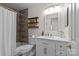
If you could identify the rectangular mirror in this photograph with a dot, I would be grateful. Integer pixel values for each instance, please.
(51, 22)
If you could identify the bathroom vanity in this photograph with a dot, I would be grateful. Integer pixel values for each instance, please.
(51, 46)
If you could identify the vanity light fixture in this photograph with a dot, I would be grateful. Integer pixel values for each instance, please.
(52, 10)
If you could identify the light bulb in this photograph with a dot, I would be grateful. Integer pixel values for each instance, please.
(52, 10)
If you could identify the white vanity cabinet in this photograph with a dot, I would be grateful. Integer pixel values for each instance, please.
(45, 48)
(51, 47)
(61, 50)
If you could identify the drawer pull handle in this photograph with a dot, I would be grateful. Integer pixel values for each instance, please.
(60, 46)
(45, 50)
(45, 43)
(61, 53)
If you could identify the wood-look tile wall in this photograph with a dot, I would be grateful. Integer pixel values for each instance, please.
(22, 26)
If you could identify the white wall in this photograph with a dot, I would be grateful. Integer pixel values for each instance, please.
(76, 24)
(39, 11)
(33, 12)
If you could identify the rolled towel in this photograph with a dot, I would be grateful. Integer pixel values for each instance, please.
(23, 49)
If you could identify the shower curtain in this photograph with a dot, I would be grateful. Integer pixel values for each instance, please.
(7, 32)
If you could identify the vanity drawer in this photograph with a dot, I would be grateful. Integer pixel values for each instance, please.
(61, 53)
(43, 43)
(61, 50)
(46, 42)
(60, 46)
(45, 48)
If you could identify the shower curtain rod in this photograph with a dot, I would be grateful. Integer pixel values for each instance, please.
(7, 8)
(54, 5)
(11, 9)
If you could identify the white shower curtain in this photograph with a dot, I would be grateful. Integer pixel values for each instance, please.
(7, 32)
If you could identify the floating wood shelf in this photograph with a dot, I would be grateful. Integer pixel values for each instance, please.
(33, 27)
(33, 22)
(33, 18)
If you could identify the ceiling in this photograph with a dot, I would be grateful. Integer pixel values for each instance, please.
(20, 6)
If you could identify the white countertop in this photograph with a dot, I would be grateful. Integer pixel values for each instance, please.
(52, 38)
